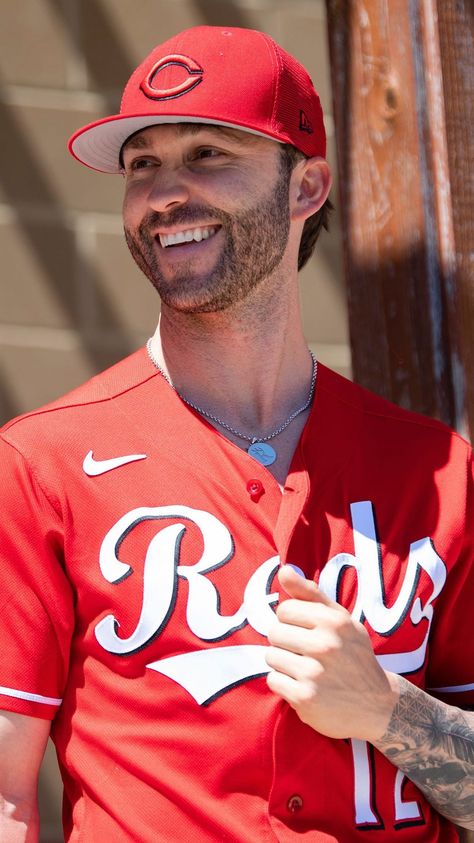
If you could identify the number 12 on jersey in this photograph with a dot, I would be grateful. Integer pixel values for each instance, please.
(366, 813)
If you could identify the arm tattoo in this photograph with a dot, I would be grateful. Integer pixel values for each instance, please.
(433, 743)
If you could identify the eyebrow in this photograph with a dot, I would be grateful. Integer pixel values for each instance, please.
(135, 142)
(138, 141)
(195, 128)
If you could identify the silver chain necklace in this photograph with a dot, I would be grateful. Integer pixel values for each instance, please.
(259, 448)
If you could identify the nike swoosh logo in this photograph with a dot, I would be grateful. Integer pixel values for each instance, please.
(94, 467)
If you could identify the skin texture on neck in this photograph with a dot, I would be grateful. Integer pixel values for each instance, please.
(250, 366)
(255, 397)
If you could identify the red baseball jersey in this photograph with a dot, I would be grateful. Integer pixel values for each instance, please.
(139, 550)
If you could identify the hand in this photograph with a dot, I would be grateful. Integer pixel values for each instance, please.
(324, 666)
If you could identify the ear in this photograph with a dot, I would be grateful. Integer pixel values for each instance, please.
(311, 186)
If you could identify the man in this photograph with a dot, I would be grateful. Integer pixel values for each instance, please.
(146, 517)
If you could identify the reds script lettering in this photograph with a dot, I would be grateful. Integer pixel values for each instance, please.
(370, 603)
(206, 673)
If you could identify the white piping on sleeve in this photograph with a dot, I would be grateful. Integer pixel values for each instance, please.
(24, 695)
(454, 689)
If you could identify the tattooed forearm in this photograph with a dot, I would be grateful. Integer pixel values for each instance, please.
(433, 744)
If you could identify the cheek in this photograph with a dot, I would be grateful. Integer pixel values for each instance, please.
(230, 190)
(133, 206)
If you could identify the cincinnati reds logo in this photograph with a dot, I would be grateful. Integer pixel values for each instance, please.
(192, 68)
(207, 673)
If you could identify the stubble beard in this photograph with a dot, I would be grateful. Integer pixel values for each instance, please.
(255, 242)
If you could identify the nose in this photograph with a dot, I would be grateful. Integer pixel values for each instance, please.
(168, 190)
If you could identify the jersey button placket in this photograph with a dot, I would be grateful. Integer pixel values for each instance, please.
(295, 803)
(255, 489)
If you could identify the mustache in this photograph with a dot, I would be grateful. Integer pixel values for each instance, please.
(183, 216)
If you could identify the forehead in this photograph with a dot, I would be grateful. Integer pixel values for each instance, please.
(144, 137)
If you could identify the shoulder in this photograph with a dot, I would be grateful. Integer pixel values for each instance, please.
(385, 428)
(378, 410)
(88, 404)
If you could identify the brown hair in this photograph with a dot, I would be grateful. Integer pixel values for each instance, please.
(313, 225)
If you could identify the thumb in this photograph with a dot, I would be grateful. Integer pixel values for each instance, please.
(294, 582)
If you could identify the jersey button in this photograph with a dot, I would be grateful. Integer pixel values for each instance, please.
(255, 489)
(295, 803)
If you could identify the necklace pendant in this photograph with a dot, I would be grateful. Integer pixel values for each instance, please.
(262, 452)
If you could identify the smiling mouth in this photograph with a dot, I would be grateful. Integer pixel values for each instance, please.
(189, 235)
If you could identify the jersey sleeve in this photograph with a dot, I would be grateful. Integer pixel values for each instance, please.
(450, 675)
(36, 600)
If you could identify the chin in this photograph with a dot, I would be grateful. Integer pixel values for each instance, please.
(194, 305)
(197, 295)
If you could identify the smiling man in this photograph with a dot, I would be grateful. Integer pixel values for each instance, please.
(227, 168)
(196, 686)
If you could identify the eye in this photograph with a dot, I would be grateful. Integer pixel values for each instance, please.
(141, 163)
(207, 152)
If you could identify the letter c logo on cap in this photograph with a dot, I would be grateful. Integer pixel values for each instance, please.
(192, 67)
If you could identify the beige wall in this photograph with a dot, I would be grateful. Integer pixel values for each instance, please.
(71, 299)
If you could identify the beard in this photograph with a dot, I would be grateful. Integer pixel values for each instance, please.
(255, 241)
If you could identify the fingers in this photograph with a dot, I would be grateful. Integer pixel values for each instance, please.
(308, 606)
(317, 641)
(289, 689)
(322, 663)
(293, 678)
(293, 665)
(300, 588)
(304, 614)
(296, 639)
(308, 624)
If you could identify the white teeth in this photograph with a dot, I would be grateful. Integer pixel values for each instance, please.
(187, 236)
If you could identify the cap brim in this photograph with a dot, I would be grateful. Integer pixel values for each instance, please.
(98, 144)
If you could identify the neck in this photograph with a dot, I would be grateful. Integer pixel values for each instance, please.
(250, 367)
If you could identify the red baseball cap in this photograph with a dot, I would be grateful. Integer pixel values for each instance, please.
(210, 74)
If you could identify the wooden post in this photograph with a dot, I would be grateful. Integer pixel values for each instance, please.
(403, 83)
(455, 30)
